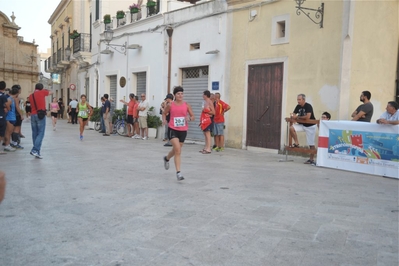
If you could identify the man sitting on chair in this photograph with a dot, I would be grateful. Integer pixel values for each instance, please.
(304, 111)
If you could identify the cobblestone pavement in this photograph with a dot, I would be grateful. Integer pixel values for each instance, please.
(109, 201)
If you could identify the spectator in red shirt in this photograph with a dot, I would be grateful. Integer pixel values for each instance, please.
(38, 102)
(218, 120)
(136, 118)
(130, 111)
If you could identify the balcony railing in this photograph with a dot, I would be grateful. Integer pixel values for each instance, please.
(82, 43)
(47, 64)
(121, 21)
(54, 58)
(60, 55)
(135, 16)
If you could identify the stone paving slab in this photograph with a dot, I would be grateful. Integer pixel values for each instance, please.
(109, 201)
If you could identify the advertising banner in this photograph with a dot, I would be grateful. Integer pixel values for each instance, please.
(56, 78)
(360, 147)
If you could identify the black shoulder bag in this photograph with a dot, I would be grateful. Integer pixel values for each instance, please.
(40, 113)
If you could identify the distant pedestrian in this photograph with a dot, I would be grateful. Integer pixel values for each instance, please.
(37, 98)
(11, 119)
(208, 110)
(54, 108)
(17, 133)
(27, 108)
(73, 105)
(179, 112)
(143, 108)
(304, 111)
(61, 109)
(69, 111)
(84, 111)
(102, 130)
(3, 111)
(130, 109)
(168, 101)
(136, 118)
(106, 109)
(218, 122)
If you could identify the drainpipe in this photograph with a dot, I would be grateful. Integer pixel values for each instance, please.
(170, 33)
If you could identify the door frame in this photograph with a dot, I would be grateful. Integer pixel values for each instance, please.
(283, 125)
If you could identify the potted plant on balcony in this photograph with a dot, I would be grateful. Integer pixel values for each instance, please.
(151, 7)
(135, 8)
(151, 3)
(107, 19)
(74, 34)
(120, 14)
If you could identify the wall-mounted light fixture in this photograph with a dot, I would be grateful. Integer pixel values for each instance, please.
(108, 35)
(68, 52)
(106, 51)
(134, 46)
(216, 51)
(318, 15)
(252, 15)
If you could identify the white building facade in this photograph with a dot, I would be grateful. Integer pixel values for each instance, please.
(153, 53)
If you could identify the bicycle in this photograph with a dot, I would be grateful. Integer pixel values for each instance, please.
(119, 126)
(97, 126)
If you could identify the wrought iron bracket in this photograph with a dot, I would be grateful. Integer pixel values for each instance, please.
(121, 50)
(318, 15)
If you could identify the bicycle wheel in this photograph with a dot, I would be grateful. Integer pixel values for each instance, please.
(121, 128)
(97, 126)
(115, 127)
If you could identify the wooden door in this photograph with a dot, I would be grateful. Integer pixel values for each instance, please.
(265, 90)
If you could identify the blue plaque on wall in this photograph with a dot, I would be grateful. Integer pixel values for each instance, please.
(215, 85)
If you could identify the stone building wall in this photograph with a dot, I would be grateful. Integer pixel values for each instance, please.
(18, 59)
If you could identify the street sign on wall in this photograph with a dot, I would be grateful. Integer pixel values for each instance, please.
(215, 85)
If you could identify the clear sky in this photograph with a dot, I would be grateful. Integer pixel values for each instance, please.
(31, 17)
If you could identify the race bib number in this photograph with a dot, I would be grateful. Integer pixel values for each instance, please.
(179, 121)
(82, 113)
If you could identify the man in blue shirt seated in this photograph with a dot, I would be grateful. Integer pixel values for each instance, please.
(391, 116)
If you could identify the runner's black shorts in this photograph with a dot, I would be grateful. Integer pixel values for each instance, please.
(3, 125)
(18, 122)
(181, 135)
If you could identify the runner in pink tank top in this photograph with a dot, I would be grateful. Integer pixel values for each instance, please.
(178, 116)
(179, 111)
